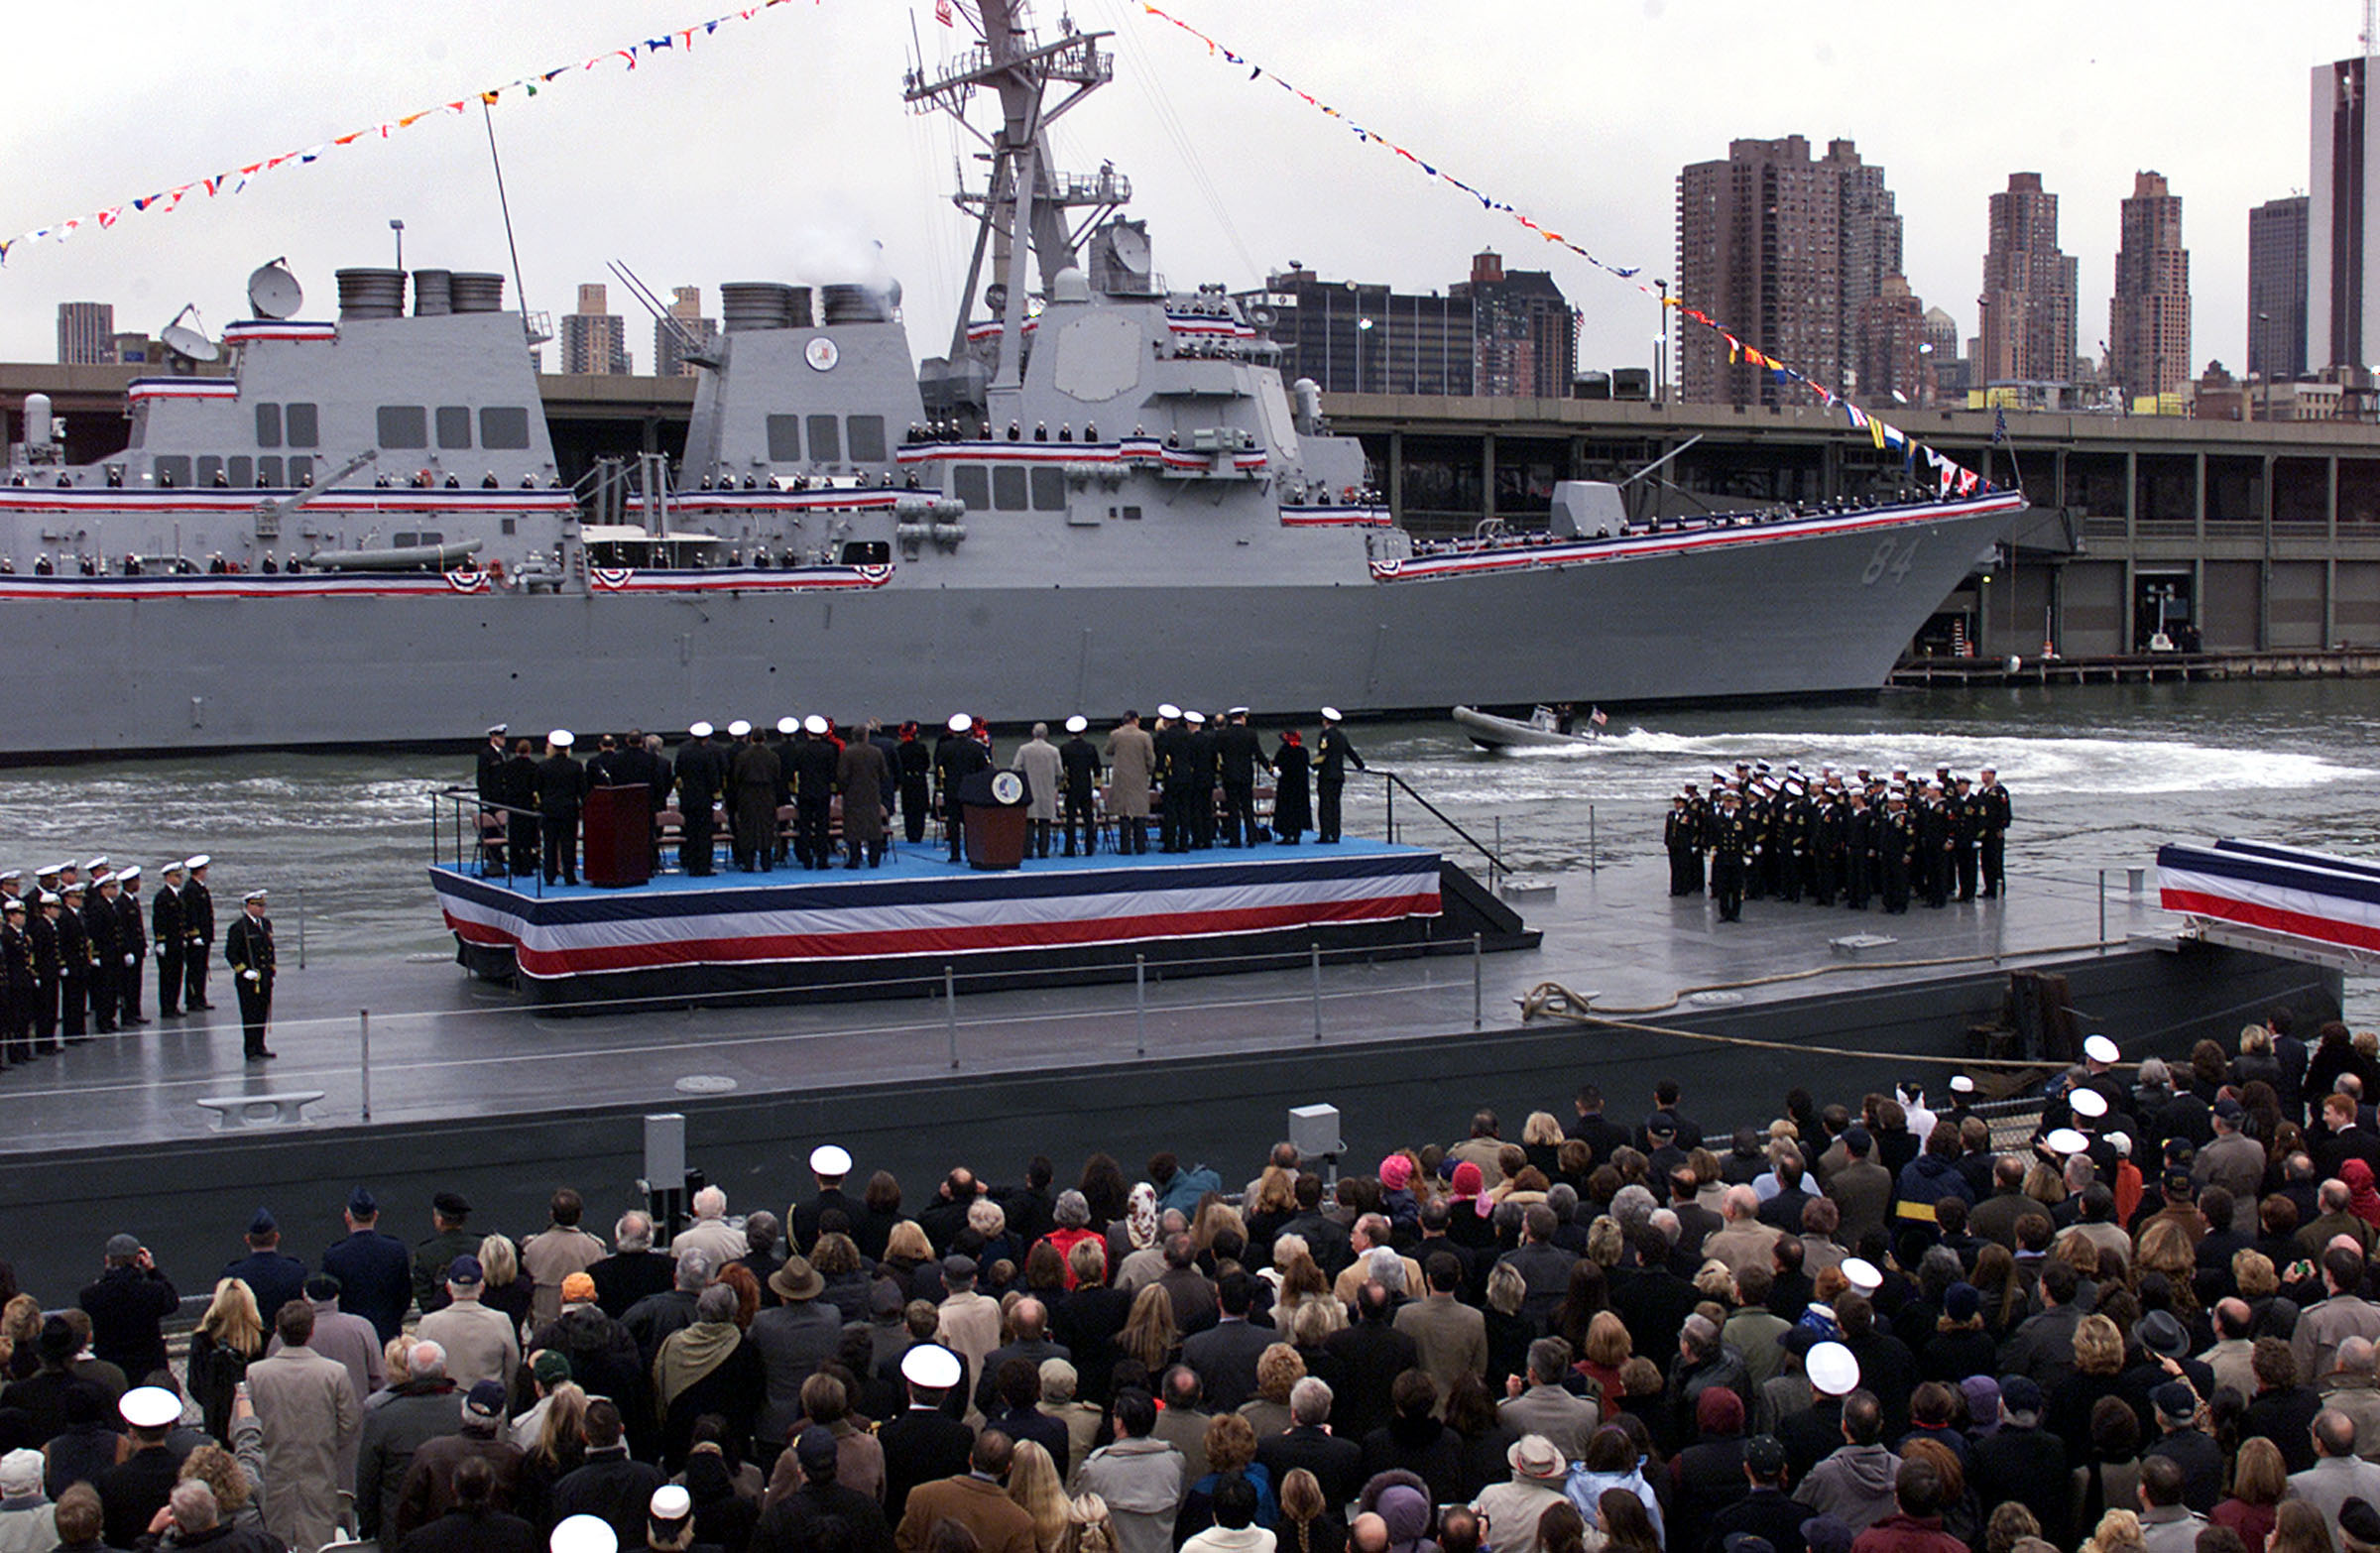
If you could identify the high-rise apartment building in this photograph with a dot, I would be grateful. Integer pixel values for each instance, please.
(2148, 319)
(1524, 336)
(1892, 331)
(1786, 249)
(87, 332)
(2029, 286)
(669, 344)
(594, 341)
(2342, 323)
(2276, 289)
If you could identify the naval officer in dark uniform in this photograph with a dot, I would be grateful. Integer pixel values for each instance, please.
(1681, 833)
(913, 770)
(561, 788)
(699, 774)
(490, 779)
(43, 932)
(132, 946)
(20, 983)
(104, 926)
(1077, 785)
(197, 933)
(956, 758)
(1730, 848)
(74, 966)
(165, 930)
(248, 951)
(1238, 751)
(1333, 754)
(1992, 814)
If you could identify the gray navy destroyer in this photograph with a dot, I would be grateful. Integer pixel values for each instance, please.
(1103, 493)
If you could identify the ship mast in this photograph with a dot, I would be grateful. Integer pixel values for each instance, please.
(1024, 204)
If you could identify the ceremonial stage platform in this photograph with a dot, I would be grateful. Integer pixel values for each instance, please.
(920, 923)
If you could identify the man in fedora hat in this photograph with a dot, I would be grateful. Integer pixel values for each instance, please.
(1512, 1509)
(794, 1338)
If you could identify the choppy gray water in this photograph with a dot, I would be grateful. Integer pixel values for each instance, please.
(2099, 775)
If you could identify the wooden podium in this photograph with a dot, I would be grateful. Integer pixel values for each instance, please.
(617, 823)
(997, 805)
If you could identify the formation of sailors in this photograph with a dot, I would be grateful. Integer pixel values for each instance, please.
(1845, 836)
(866, 775)
(72, 948)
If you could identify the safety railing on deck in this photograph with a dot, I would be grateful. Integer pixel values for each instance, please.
(474, 845)
(1391, 784)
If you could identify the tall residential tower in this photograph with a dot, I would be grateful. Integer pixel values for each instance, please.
(2028, 286)
(2148, 319)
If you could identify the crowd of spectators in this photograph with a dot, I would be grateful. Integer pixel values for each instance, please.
(2149, 1327)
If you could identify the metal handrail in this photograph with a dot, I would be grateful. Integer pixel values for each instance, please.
(466, 802)
(1393, 781)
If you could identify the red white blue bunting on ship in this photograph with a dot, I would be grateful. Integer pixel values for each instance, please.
(564, 935)
(2316, 895)
(737, 579)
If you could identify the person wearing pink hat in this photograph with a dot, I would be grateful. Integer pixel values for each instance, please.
(1397, 1200)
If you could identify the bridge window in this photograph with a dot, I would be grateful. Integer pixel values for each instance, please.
(971, 484)
(826, 440)
(173, 470)
(209, 466)
(268, 425)
(503, 427)
(865, 435)
(1008, 488)
(784, 439)
(302, 469)
(454, 426)
(866, 552)
(1049, 489)
(403, 426)
(268, 472)
(243, 471)
(302, 423)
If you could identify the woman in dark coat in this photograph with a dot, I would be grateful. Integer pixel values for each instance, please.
(707, 1368)
(1292, 807)
(864, 778)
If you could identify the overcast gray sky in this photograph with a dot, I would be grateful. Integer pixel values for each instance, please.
(779, 147)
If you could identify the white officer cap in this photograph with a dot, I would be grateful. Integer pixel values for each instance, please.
(1168, 711)
(2099, 1048)
(830, 1159)
(150, 1407)
(700, 731)
(200, 860)
(48, 899)
(1833, 1368)
(1077, 723)
(739, 729)
(1195, 719)
(561, 738)
(94, 865)
(959, 722)
(1330, 714)
(1960, 1084)
(1237, 711)
(584, 1534)
(130, 873)
(2065, 1140)
(12, 873)
(813, 724)
(786, 725)
(1861, 1274)
(253, 895)
(76, 889)
(497, 728)
(671, 1502)
(932, 1365)
(2088, 1104)
(173, 867)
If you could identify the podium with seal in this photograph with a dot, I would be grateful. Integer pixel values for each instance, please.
(994, 806)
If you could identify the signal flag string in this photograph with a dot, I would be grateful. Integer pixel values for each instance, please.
(1951, 477)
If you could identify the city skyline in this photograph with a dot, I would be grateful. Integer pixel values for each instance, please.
(1594, 153)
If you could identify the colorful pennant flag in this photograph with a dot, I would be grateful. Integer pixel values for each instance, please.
(681, 39)
(1880, 434)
